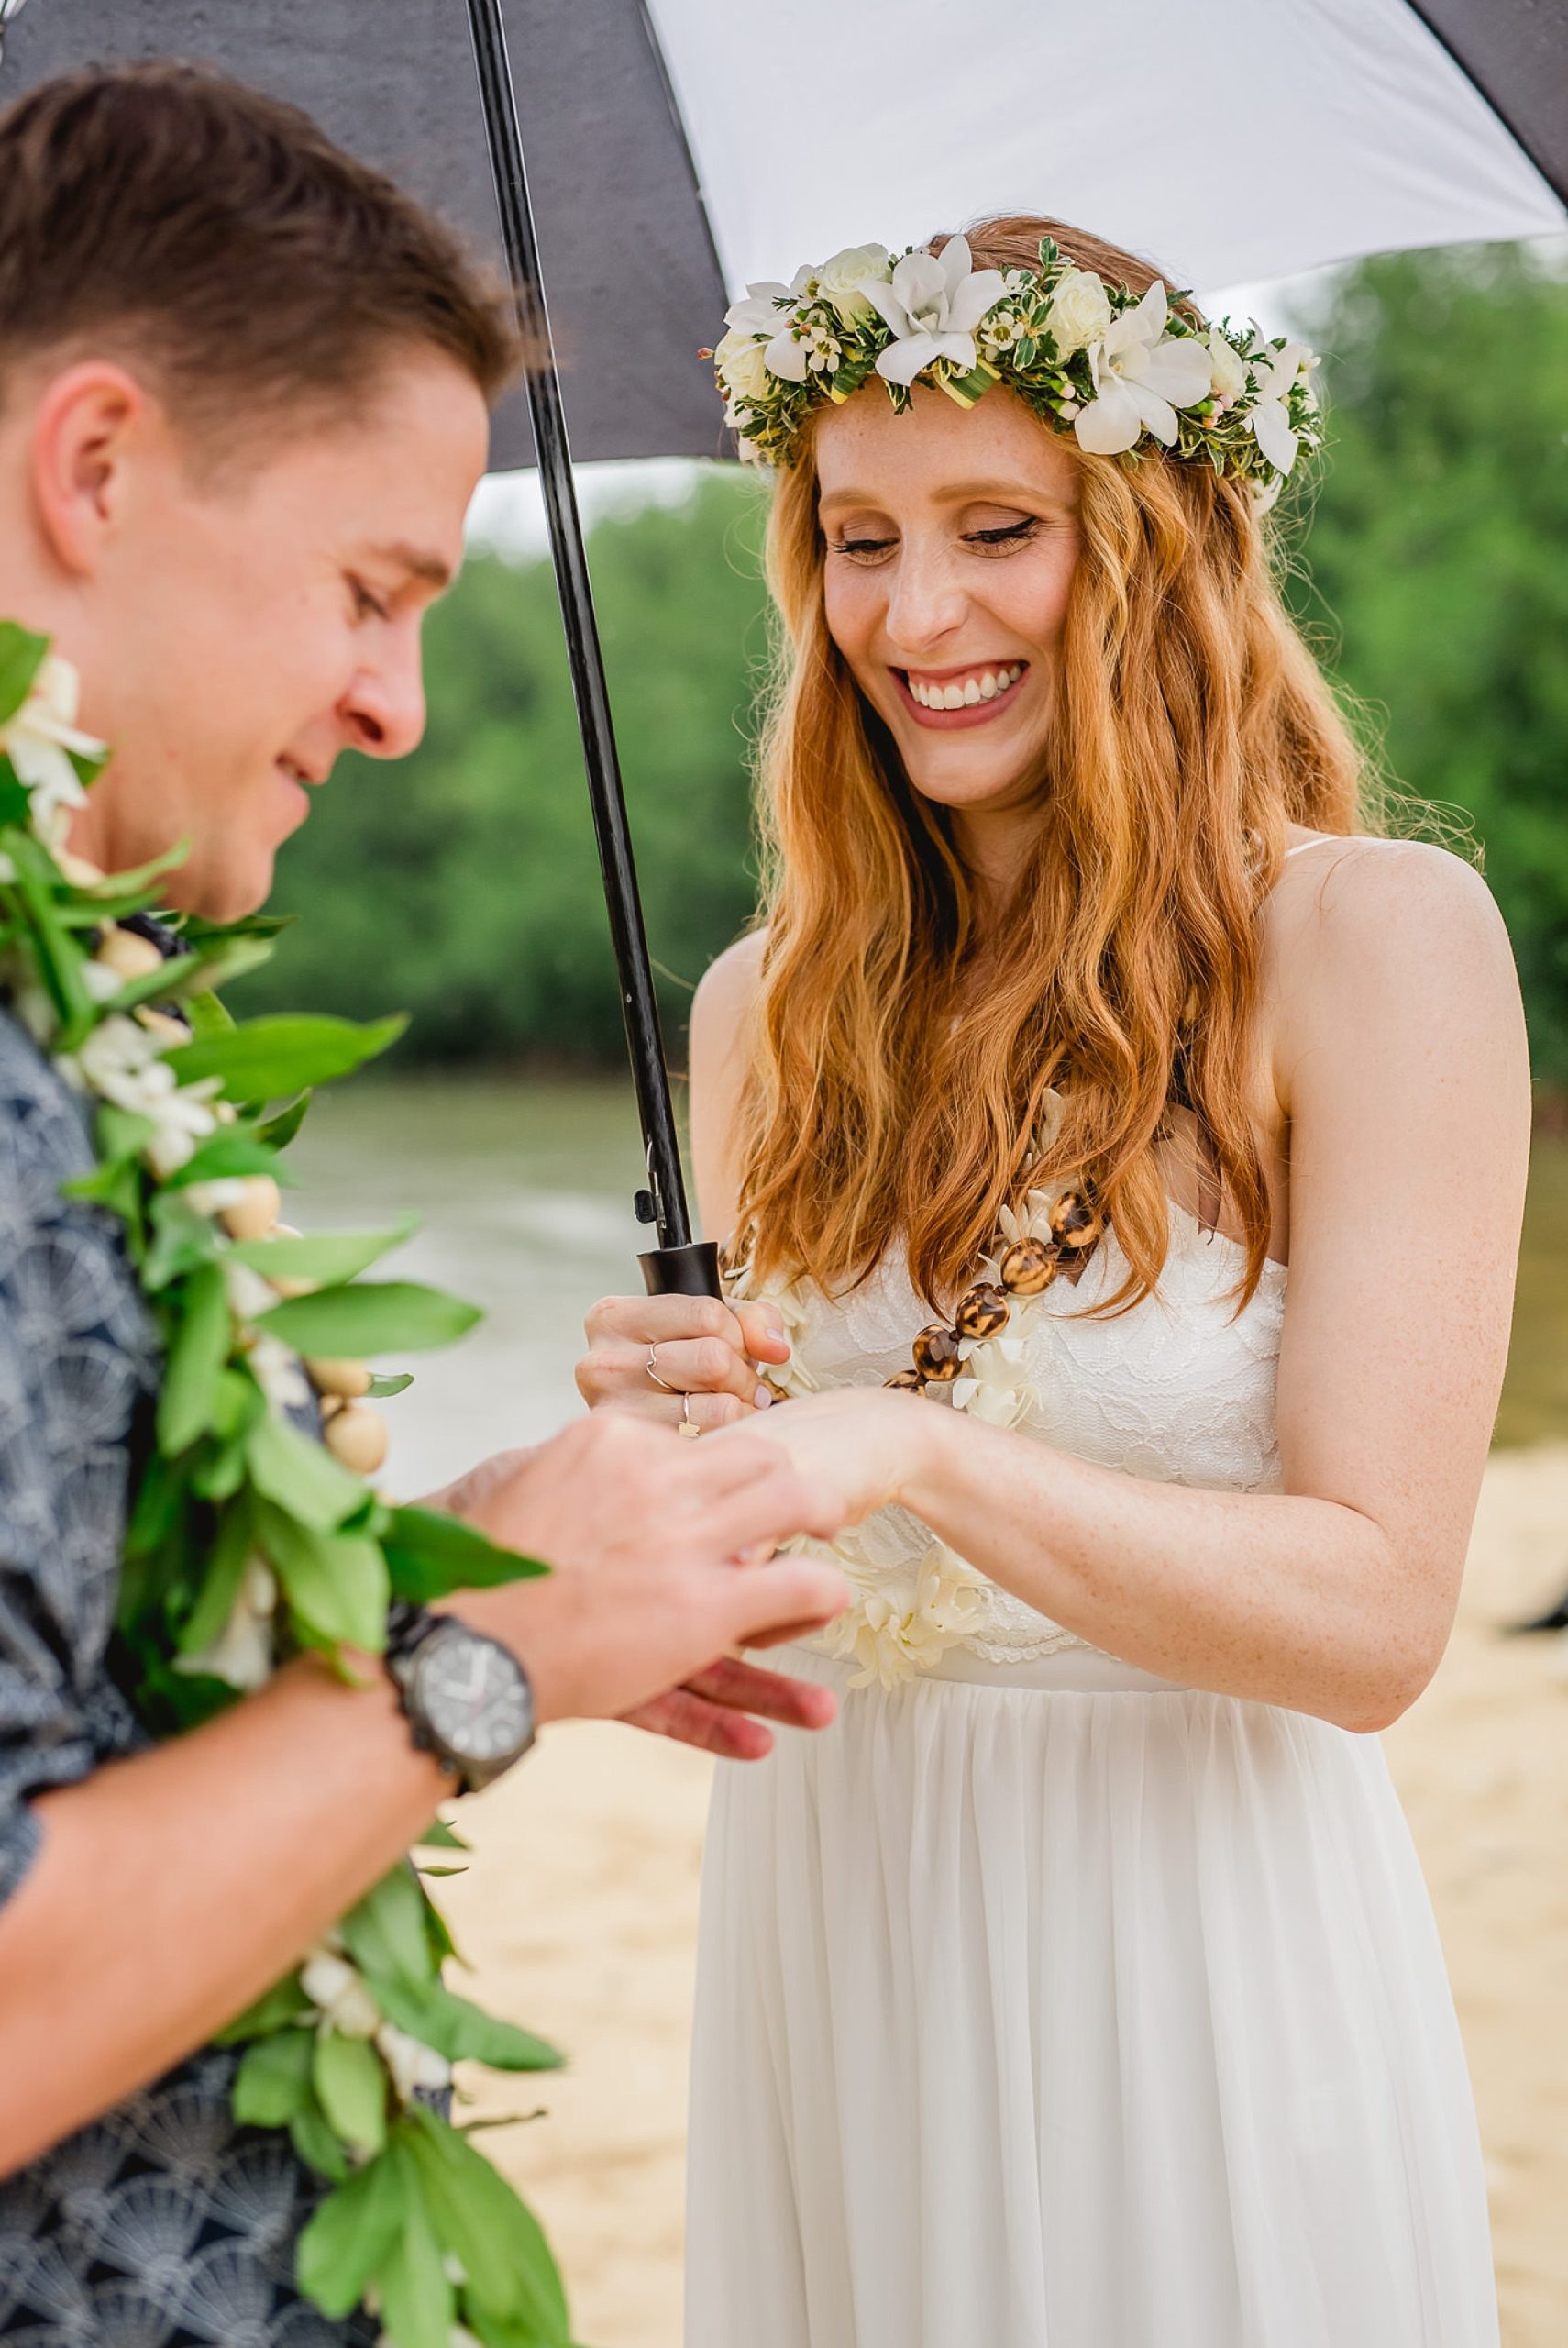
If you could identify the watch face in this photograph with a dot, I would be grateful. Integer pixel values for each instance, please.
(473, 1696)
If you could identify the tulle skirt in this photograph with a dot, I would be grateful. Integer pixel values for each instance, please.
(1052, 2006)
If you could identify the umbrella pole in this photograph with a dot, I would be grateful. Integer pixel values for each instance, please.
(677, 1265)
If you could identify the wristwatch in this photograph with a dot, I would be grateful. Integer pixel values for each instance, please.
(466, 1698)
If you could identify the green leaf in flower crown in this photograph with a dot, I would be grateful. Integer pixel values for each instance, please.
(273, 2082)
(418, 2305)
(14, 800)
(21, 657)
(385, 1933)
(283, 2003)
(261, 1059)
(335, 1582)
(329, 1257)
(300, 1475)
(351, 2087)
(430, 1553)
(382, 1389)
(494, 2236)
(350, 2236)
(202, 1339)
(372, 1317)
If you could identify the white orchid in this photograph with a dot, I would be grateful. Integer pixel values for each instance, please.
(933, 305)
(243, 1652)
(39, 739)
(277, 1370)
(1141, 380)
(1269, 418)
(992, 1385)
(902, 1624)
(762, 313)
(1227, 368)
(122, 1063)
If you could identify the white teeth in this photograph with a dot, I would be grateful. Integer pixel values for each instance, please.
(973, 690)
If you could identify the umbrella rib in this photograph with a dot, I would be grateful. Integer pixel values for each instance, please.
(1554, 173)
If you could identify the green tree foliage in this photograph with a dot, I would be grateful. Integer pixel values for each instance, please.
(1435, 561)
(463, 885)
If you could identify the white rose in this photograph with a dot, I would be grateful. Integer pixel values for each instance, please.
(839, 281)
(741, 366)
(1079, 312)
(1226, 370)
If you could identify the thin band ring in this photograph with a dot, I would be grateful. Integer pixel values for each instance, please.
(688, 1423)
(651, 1365)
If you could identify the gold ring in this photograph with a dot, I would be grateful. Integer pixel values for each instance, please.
(652, 1368)
(688, 1423)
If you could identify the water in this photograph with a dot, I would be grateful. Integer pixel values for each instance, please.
(524, 1190)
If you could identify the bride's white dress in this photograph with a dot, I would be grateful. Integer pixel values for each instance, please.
(1044, 2004)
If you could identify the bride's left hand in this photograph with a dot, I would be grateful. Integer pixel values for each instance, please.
(861, 1440)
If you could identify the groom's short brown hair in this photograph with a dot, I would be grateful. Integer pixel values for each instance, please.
(183, 222)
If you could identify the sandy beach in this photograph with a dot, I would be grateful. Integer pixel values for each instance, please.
(579, 1915)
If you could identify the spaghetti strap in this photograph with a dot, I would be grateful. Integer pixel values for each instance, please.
(1322, 839)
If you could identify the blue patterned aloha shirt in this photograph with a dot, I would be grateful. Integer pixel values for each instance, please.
(162, 2224)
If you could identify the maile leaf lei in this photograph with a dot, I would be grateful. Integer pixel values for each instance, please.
(248, 1539)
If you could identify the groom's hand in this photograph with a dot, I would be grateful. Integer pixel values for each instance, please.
(647, 1597)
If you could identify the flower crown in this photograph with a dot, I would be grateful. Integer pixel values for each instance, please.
(1083, 354)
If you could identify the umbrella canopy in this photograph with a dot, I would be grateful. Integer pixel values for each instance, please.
(678, 149)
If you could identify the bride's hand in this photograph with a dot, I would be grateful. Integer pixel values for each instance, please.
(862, 1441)
(699, 1346)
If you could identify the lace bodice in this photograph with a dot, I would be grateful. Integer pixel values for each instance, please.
(1180, 1390)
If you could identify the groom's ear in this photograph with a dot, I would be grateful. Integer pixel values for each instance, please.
(92, 432)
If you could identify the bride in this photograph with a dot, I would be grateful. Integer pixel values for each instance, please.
(1124, 1149)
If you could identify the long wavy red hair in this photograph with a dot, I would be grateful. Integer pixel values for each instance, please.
(1192, 727)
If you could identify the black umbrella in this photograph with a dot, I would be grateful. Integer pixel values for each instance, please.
(680, 147)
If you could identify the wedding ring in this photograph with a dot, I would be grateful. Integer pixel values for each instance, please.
(688, 1423)
(652, 1366)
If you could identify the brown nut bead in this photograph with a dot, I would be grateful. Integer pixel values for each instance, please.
(350, 1378)
(1028, 1267)
(982, 1310)
(904, 1381)
(160, 1024)
(358, 1438)
(936, 1354)
(252, 1217)
(127, 954)
(1074, 1223)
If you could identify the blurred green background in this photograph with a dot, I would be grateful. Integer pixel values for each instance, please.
(1431, 569)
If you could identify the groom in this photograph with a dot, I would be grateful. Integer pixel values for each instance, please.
(243, 388)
